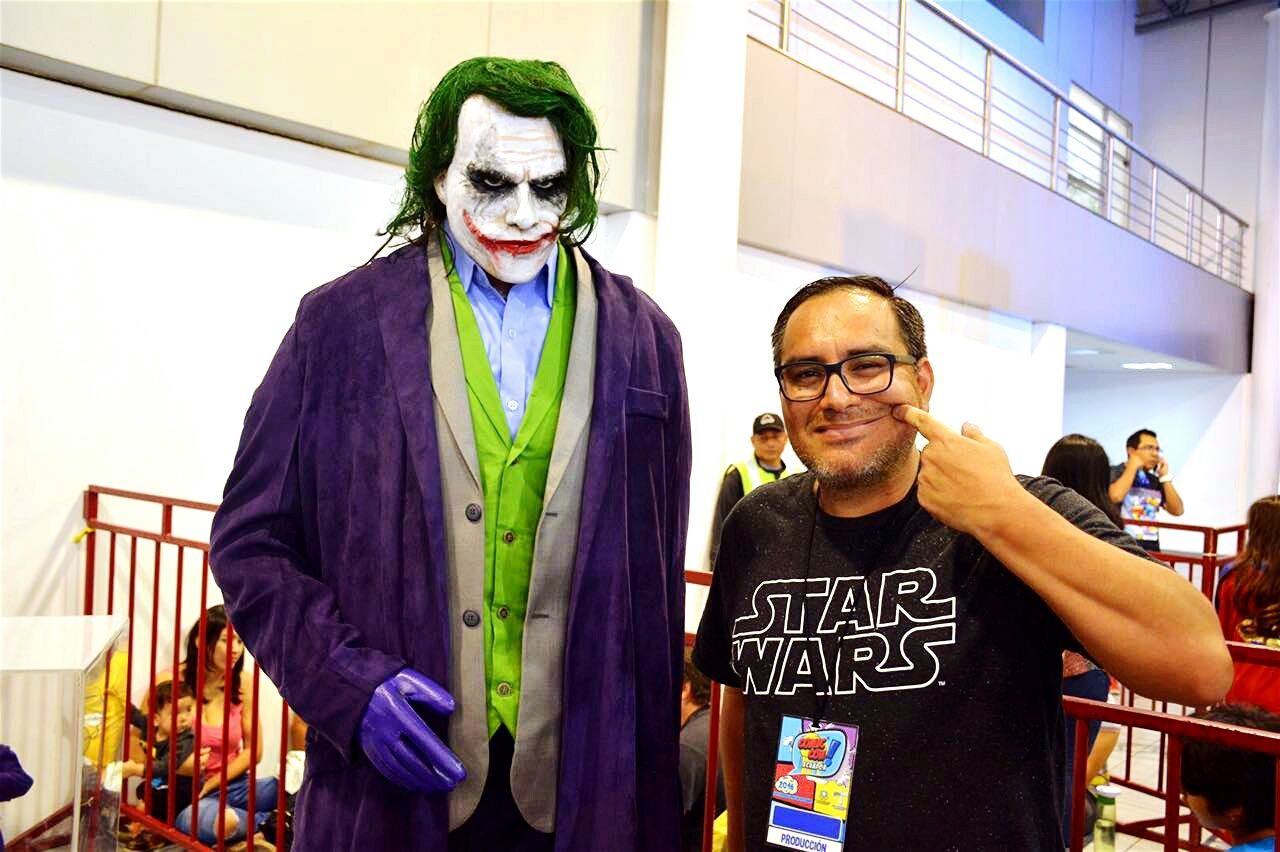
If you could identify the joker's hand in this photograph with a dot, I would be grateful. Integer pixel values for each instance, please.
(965, 479)
(402, 747)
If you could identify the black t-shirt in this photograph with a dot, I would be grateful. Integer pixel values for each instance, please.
(948, 663)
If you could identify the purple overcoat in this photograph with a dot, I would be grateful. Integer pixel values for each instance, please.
(329, 549)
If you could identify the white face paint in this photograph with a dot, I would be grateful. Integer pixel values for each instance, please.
(504, 191)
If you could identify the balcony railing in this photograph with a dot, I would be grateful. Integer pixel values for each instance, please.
(915, 57)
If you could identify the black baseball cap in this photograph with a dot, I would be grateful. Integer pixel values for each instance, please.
(767, 422)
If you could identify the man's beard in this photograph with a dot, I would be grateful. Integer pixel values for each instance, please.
(882, 464)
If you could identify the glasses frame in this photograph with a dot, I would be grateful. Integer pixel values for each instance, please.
(837, 369)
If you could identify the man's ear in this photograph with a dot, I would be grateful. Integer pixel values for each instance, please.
(924, 381)
(686, 691)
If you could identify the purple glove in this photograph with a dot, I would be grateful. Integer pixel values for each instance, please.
(400, 744)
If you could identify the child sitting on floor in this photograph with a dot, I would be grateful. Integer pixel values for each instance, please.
(1230, 789)
(157, 755)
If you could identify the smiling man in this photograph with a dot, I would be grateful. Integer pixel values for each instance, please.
(454, 532)
(911, 607)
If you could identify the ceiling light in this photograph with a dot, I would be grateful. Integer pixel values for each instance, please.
(1085, 352)
(1147, 365)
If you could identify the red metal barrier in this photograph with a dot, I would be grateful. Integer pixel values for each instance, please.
(141, 594)
(703, 578)
(1209, 562)
(1176, 729)
(1132, 718)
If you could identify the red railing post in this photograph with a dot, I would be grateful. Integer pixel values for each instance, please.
(111, 575)
(284, 754)
(253, 762)
(128, 678)
(175, 691)
(202, 656)
(1081, 758)
(151, 681)
(91, 552)
(713, 765)
(227, 666)
(1172, 799)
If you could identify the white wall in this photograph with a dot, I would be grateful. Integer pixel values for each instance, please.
(1202, 421)
(1088, 42)
(1202, 85)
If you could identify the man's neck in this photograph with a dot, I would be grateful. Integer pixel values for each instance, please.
(769, 464)
(865, 500)
(1260, 834)
(687, 709)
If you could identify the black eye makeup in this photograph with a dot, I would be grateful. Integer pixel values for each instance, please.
(549, 187)
(488, 181)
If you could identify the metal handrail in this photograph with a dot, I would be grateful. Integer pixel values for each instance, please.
(1115, 189)
(1058, 93)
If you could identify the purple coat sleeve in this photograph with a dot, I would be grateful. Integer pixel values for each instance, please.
(287, 615)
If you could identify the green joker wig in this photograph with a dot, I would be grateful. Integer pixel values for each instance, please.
(524, 87)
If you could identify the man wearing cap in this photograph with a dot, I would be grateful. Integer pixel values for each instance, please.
(768, 439)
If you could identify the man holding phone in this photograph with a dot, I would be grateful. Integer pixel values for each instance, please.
(1143, 486)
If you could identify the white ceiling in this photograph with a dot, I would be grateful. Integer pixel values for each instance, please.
(1111, 355)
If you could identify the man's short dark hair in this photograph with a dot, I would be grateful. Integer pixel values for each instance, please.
(1228, 778)
(699, 684)
(1135, 439)
(910, 323)
(164, 694)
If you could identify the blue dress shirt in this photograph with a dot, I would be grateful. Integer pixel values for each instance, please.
(513, 329)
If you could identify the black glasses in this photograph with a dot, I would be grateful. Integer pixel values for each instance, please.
(863, 374)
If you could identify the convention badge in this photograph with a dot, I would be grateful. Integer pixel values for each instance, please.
(809, 807)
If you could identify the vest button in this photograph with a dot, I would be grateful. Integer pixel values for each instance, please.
(503, 611)
(474, 512)
(508, 536)
(471, 618)
(504, 689)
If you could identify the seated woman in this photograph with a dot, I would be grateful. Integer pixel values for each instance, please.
(1249, 604)
(215, 704)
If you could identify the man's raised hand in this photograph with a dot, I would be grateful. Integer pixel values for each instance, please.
(965, 480)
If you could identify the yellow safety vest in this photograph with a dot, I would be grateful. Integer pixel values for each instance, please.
(753, 475)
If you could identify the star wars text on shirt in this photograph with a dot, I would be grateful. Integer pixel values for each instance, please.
(879, 633)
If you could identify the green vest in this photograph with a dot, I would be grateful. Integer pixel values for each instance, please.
(753, 475)
(513, 476)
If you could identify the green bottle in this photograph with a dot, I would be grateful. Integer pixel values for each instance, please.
(1104, 827)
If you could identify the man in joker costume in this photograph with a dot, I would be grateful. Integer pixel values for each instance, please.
(454, 533)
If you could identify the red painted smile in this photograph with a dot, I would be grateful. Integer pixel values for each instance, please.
(514, 247)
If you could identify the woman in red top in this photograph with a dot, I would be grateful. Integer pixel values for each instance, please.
(1249, 604)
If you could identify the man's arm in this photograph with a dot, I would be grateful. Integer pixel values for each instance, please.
(1121, 486)
(1141, 622)
(732, 733)
(287, 616)
(1172, 499)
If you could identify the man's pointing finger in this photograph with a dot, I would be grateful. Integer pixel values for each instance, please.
(928, 425)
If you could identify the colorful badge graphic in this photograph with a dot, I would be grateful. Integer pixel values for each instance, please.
(811, 784)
